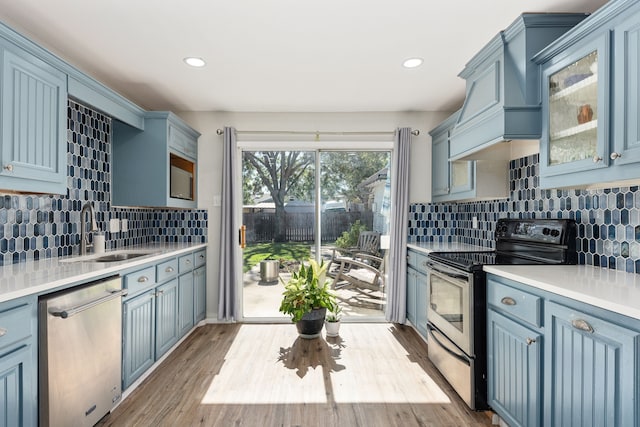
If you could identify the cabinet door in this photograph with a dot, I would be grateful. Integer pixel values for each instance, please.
(575, 111)
(514, 371)
(186, 303)
(626, 141)
(421, 303)
(440, 165)
(590, 370)
(461, 179)
(200, 294)
(33, 122)
(18, 398)
(166, 316)
(138, 352)
(412, 277)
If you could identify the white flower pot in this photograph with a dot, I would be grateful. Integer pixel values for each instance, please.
(333, 328)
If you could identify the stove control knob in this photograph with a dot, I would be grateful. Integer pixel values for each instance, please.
(546, 231)
(555, 233)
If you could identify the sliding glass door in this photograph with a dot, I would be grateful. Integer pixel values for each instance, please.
(298, 205)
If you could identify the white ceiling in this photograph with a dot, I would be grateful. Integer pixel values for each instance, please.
(275, 55)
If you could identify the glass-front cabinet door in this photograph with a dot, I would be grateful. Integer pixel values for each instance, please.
(575, 123)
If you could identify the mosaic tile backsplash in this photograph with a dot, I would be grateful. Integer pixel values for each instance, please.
(43, 226)
(608, 219)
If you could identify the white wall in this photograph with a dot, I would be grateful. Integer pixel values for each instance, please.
(210, 157)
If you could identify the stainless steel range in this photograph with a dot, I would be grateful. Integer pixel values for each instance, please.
(457, 306)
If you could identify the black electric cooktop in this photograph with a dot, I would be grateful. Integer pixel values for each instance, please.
(521, 241)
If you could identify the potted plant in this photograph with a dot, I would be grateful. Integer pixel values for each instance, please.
(332, 321)
(306, 298)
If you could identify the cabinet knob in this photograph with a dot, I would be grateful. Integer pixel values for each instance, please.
(615, 155)
(169, 270)
(188, 261)
(508, 301)
(201, 256)
(582, 325)
(530, 341)
(143, 279)
(9, 167)
(3, 332)
(158, 293)
(597, 159)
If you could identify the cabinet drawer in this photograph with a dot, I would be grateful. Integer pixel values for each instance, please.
(200, 258)
(15, 323)
(417, 260)
(517, 303)
(186, 263)
(167, 270)
(140, 279)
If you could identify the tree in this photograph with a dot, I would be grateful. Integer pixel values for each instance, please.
(343, 172)
(278, 172)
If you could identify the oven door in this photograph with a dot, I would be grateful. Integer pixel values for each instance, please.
(449, 308)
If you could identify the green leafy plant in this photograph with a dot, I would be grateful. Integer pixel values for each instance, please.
(350, 238)
(334, 315)
(307, 289)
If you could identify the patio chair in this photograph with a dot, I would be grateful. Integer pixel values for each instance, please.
(362, 271)
(368, 244)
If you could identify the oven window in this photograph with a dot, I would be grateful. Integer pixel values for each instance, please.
(446, 299)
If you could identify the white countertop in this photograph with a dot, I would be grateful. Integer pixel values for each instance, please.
(37, 277)
(612, 290)
(427, 247)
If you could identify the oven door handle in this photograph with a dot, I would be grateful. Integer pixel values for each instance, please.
(461, 357)
(462, 279)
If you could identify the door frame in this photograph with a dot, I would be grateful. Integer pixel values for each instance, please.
(317, 147)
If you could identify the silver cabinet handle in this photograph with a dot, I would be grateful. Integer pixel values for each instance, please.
(582, 325)
(615, 155)
(597, 159)
(201, 256)
(9, 167)
(508, 301)
(143, 279)
(169, 270)
(3, 332)
(530, 341)
(188, 261)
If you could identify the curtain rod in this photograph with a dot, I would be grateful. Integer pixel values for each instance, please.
(415, 132)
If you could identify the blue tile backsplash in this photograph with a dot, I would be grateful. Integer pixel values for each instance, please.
(608, 219)
(43, 226)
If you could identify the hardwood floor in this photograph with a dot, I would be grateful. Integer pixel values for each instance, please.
(264, 375)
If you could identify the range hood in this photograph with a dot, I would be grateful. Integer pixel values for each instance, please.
(503, 96)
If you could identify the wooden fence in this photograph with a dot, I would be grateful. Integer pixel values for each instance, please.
(301, 226)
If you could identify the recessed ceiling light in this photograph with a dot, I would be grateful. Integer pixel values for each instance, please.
(195, 61)
(412, 62)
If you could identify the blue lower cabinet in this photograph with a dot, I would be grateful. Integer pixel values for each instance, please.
(138, 350)
(185, 296)
(19, 363)
(591, 369)
(166, 316)
(514, 370)
(412, 277)
(199, 294)
(421, 303)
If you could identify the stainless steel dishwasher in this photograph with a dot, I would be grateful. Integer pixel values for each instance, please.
(80, 353)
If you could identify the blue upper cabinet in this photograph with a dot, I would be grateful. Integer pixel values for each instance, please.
(33, 123)
(503, 85)
(590, 100)
(462, 179)
(144, 163)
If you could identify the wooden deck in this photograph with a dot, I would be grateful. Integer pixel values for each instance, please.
(264, 375)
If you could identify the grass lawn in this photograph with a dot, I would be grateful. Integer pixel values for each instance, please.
(257, 252)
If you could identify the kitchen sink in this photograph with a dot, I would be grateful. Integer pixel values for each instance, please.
(119, 257)
(108, 257)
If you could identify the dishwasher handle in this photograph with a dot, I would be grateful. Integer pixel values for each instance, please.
(80, 308)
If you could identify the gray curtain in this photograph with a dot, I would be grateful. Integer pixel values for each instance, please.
(228, 230)
(397, 289)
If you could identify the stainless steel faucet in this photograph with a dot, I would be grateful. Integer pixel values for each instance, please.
(84, 237)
